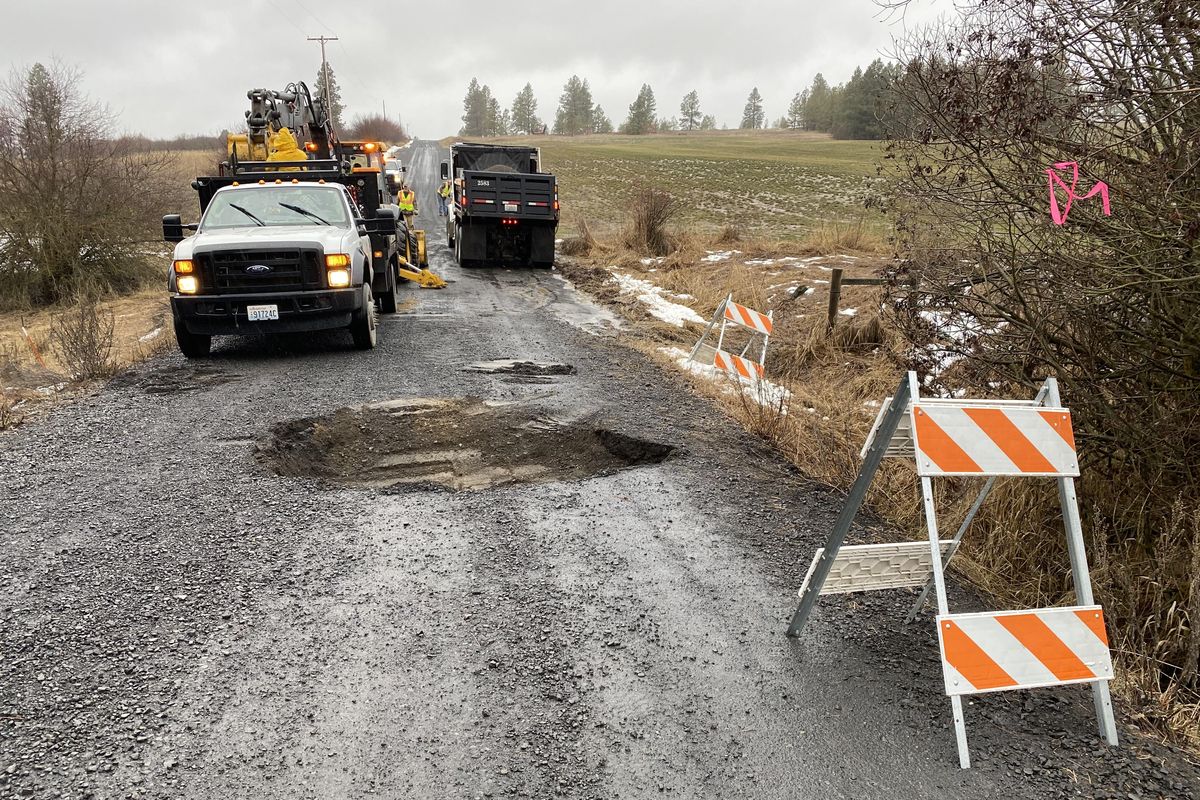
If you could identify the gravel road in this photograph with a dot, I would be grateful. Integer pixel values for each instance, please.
(178, 621)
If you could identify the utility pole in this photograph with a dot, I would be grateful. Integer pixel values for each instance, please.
(325, 72)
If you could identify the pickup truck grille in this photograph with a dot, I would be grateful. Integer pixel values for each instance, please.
(242, 271)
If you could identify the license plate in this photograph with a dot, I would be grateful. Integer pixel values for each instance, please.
(510, 207)
(262, 313)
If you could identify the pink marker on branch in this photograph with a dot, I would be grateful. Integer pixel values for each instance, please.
(1060, 217)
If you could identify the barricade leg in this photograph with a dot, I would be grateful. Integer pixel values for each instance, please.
(939, 583)
(1083, 594)
(858, 492)
(987, 488)
(1082, 578)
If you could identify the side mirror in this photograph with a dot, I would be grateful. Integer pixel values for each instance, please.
(362, 229)
(445, 170)
(172, 228)
(387, 212)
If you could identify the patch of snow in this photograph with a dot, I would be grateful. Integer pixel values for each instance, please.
(848, 312)
(763, 392)
(818, 280)
(656, 302)
(154, 334)
(720, 255)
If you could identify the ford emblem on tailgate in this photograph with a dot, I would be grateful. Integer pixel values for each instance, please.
(258, 269)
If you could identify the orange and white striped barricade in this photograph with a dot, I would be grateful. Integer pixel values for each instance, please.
(742, 364)
(990, 651)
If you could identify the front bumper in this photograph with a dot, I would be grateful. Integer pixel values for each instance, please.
(225, 314)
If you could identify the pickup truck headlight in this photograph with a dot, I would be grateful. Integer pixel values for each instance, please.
(338, 278)
(334, 260)
(184, 266)
(187, 284)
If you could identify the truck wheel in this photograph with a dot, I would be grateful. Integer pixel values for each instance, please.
(449, 234)
(387, 300)
(362, 324)
(192, 345)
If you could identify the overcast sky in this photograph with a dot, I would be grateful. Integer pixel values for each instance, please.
(168, 68)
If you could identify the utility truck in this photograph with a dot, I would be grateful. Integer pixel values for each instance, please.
(505, 209)
(299, 245)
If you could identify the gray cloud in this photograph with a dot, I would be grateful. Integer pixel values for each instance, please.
(167, 68)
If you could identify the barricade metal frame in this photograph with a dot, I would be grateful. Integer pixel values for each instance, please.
(894, 435)
(709, 355)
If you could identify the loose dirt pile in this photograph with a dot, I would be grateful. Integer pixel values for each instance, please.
(462, 444)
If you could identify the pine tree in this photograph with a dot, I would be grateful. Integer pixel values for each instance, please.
(753, 117)
(689, 111)
(818, 110)
(600, 121)
(795, 115)
(336, 109)
(476, 110)
(641, 113)
(494, 124)
(575, 108)
(523, 118)
(666, 125)
(708, 123)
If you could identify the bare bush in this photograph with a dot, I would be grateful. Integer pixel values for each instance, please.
(1106, 303)
(583, 243)
(82, 338)
(376, 128)
(76, 203)
(652, 210)
(729, 234)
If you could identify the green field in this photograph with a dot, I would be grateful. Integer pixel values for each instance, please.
(773, 184)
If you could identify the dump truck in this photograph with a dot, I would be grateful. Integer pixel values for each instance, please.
(505, 209)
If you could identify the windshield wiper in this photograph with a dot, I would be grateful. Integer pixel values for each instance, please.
(305, 212)
(257, 221)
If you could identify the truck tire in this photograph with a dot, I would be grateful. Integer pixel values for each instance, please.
(450, 233)
(362, 324)
(387, 299)
(192, 345)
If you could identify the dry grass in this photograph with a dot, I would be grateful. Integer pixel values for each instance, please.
(32, 375)
(1016, 551)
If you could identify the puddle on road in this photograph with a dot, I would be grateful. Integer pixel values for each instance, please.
(460, 444)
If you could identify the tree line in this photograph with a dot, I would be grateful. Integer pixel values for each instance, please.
(847, 111)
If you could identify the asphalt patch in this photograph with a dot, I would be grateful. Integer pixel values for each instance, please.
(176, 380)
(461, 444)
(518, 367)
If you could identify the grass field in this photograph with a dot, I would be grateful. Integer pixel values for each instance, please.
(771, 184)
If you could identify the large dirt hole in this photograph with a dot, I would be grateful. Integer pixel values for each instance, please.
(458, 444)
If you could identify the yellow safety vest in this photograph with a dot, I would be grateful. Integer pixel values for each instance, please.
(445, 190)
(408, 200)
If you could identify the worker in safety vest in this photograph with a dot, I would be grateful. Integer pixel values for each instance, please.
(285, 148)
(407, 200)
(444, 199)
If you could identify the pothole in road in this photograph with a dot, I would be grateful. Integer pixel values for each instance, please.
(464, 444)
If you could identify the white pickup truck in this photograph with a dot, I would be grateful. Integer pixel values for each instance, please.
(273, 257)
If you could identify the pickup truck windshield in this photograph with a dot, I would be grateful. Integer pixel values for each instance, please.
(276, 205)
